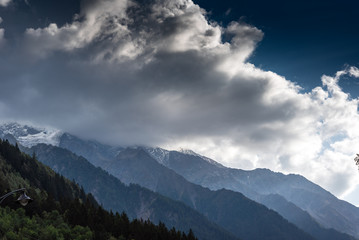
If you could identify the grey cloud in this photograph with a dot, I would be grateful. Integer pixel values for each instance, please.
(158, 72)
(118, 29)
(170, 87)
(2, 35)
(4, 3)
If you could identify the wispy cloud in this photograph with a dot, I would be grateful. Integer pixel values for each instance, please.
(2, 35)
(4, 3)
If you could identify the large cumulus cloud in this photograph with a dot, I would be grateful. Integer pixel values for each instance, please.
(161, 73)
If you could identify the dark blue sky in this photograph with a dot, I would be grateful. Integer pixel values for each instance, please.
(303, 39)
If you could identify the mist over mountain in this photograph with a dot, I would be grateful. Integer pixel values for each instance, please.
(169, 73)
(60, 208)
(324, 207)
(134, 200)
(172, 173)
(29, 136)
(238, 119)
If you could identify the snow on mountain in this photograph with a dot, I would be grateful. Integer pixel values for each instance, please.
(162, 155)
(50, 137)
(30, 136)
(190, 152)
(159, 154)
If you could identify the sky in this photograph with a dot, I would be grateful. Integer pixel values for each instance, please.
(251, 85)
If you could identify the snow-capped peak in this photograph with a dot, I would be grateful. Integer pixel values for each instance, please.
(159, 154)
(29, 136)
(190, 152)
(162, 155)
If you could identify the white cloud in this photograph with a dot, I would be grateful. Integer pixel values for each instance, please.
(318, 141)
(102, 23)
(2, 35)
(160, 73)
(4, 3)
(118, 30)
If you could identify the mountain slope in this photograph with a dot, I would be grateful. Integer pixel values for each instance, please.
(229, 209)
(198, 169)
(289, 190)
(61, 209)
(301, 218)
(29, 136)
(325, 208)
(136, 201)
(98, 154)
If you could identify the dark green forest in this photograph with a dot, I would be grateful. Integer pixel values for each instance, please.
(60, 208)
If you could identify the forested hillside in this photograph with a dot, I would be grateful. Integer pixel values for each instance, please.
(136, 201)
(61, 209)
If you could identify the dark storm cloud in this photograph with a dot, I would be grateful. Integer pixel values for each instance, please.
(159, 73)
(152, 71)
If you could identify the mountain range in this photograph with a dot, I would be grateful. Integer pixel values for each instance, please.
(60, 208)
(136, 201)
(321, 205)
(235, 201)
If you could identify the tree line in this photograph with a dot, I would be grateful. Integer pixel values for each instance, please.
(61, 209)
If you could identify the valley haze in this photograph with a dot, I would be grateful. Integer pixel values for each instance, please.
(175, 74)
